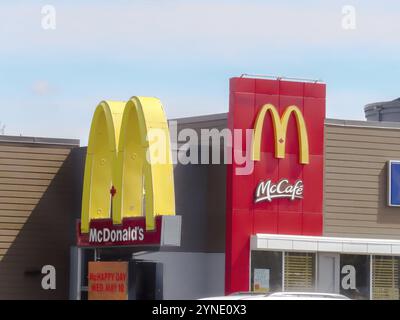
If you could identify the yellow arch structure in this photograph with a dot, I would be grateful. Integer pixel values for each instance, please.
(119, 155)
(280, 129)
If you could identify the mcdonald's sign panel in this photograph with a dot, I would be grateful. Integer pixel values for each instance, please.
(283, 191)
(128, 195)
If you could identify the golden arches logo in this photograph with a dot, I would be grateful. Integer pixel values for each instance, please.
(118, 160)
(280, 129)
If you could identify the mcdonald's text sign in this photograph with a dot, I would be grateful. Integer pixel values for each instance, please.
(283, 194)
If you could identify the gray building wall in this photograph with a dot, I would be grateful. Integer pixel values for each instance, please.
(190, 275)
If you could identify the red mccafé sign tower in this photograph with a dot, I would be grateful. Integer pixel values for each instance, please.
(283, 193)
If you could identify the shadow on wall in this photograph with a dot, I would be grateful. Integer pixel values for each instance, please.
(47, 234)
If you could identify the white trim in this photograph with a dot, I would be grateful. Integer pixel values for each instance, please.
(389, 183)
(324, 244)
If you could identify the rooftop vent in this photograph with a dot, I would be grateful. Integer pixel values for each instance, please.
(383, 111)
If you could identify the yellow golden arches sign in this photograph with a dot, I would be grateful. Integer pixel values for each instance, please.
(118, 159)
(280, 129)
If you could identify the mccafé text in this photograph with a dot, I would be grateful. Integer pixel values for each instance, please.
(267, 190)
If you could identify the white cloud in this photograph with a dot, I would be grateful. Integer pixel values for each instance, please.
(41, 87)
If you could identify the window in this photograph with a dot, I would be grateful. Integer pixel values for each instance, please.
(299, 271)
(385, 278)
(266, 271)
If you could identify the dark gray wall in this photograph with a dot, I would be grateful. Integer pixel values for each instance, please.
(200, 200)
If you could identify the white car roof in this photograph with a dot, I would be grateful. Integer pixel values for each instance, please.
(280, 296)
(302, 296)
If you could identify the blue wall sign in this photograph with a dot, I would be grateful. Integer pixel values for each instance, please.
(394, 183)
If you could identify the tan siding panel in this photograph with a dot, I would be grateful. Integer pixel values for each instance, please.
(36, 206)
(23, 207)
(352, 234)
(353, 171)
(384, 232)
(348, 196)
(361, 145)
(346, 150)
(6, 232)
(343, 209)
(376, 158)
(330, 181)
(353, 203)
(7, 238)
(350, 190)
(353, 164)
(30, 163)
(35, 150)
(19, 200)
(336, 216)
(354, 177)
(363, 138)
(22, 188)
(23, 195)
(7, 167)
(359, 223)
(33, 156)
(11, 226)
(362, 131)
(20, 194)
(25, 181)
(13, 219)
(355, 182)
(17, 214)
(26, 175)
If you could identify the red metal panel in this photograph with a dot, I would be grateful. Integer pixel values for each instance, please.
(243, 115)
(315, 90)
(270, 87)
(291, 88)
(290, 169)
(242, 85)
(242, 191)
(312, 223)
(284, 216)
(238, 253)
(314, 116)
(313, 185)
(290, 222)
(265, 221)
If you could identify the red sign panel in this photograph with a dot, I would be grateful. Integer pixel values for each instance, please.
(131, 232)
(283, 193)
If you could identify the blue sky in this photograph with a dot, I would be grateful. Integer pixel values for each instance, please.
(184, 52)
